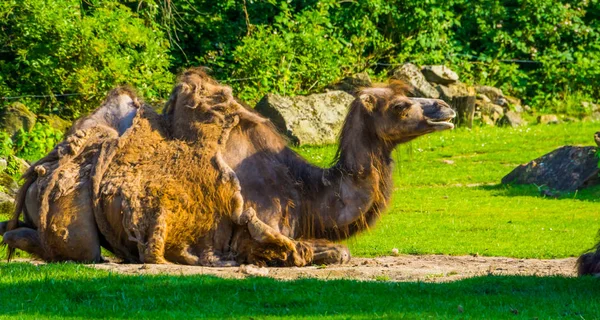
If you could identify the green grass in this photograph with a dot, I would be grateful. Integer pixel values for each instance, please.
(73, 291)
(462, 208)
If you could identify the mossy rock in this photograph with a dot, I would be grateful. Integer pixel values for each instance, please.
(7, 205)
(7, 184)
(15, 117)
(56, 122)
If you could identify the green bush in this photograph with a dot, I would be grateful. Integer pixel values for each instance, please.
(36, 143)
(294, 55)
(87, 48)
(546, 52)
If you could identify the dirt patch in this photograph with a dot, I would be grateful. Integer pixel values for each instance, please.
(429, 268)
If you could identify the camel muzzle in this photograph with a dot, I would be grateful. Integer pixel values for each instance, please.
(437, 113)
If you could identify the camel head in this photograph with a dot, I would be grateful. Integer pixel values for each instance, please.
(392, 117)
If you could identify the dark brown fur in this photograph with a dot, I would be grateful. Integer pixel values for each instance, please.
(589, 263)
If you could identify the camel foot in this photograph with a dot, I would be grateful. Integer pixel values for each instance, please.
(329, 253)
(25, 239)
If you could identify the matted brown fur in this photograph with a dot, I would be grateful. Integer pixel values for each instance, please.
(70, 161)
(170, 180)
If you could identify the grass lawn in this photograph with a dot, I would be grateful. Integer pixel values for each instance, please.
(462, 208)
(74, 291)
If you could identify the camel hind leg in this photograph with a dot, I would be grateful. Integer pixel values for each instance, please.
(25, 239)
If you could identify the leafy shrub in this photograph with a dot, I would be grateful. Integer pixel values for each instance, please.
(7, 152)
(37, 143)
(86, 48)
(544, 51)
(296, 54)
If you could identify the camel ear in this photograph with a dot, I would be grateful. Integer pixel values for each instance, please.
(368, 101)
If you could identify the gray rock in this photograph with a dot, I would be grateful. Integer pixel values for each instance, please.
(513, 100)
(413, 76)
(3, 164)
(589, 106)
(595, 117)
(313, 119)
(548, 119)
(483, 98)
(462, 99)
(15, 117)
(570, 119)
(352, 84)
(485, 119)
(518, 108)
(512, 119)
(494, 94)
(439, 74)
(493, 111)
(8, 185)
(7, 204)
(567, 168)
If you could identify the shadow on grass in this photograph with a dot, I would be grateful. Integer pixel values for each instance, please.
(591, 194)
(62, 290)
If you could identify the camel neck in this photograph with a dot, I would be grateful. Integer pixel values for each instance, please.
(360, 184)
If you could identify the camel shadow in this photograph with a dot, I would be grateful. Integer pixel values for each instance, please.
(70, 290)
(590, 194)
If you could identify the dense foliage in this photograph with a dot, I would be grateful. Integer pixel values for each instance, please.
(544, 51)
(69, 46)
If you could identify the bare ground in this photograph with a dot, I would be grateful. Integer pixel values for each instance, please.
(429, 268)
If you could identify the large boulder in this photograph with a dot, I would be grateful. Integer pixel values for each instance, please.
(8, 190)
(8, 185)
(439, 74)
(494, 94)
(567, 168)
(16, 116)
(7, 204)
(412, 75)
(512, 119)
(491, 113)
(548, 119)
(56, 122)
(313, 119)
(462, 99)
(352, 84)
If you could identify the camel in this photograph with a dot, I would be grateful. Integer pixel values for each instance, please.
(589, 263)
(254, 201)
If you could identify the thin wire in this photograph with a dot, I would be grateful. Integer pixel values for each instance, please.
(41, 96)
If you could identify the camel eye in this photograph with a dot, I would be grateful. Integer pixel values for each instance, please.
(401, 107)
